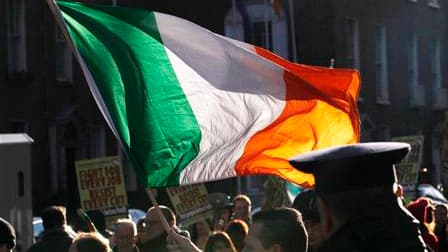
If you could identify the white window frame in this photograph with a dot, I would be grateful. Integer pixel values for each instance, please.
(439, 94)
(416, 91)
(381, 73)
(352, 43)
(16, 36)
(66, 63)
(260, 13)
(413, 60)
(97, 142)
(436, 68)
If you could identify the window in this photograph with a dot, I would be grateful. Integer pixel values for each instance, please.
(413, 61)
(383, 133)
(63, 58)
(435, 65)
(97, 142)
(352, 43)
(382, 85)
(254, 186)
(416, 91)
(15, 19)
(439, 96)
(258, 24)
(262, 34)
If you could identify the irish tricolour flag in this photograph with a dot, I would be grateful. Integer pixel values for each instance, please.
(191, 106)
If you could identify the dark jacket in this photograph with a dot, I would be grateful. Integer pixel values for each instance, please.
(53, 240)
(441, 235)
(386, 229)
(159, 243)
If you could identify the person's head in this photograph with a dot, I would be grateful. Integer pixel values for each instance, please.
(153, 224)
(440, 214)
(279, 230)
(306, 203)
(202, 227)
(421, 210)
(142, 235)
(226, 212)
(237, 230)
(99, 220)
(125, 234)
(7, 236)
(219, 242)
(241, 207)
(53, 217)
(90, 242)
(224, 217)
(352, 179)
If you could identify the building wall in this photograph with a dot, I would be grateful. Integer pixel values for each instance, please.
(322, 36)
(60, 115)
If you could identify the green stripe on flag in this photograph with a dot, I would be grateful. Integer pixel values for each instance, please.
(139, 86)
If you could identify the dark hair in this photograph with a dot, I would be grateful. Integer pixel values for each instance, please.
(237, 230)
(282, 226)
(242, 197)
(193, 230)
(140, 224)
(306, 203)
(218, 236)
(91, 242)
(442, 206)
(7, 234)
(53, 217)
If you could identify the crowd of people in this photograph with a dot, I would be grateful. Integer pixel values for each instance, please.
(356, 205)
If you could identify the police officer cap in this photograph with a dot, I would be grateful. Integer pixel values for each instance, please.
(352, 167)
(7, 234)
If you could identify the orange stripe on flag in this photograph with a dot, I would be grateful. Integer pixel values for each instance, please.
(320, 111)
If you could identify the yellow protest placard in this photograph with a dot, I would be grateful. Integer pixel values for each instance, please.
(408, 168)
(101, 183)
(190, 203)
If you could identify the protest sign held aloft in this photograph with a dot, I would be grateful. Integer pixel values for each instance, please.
(101, 183)
(190, 203)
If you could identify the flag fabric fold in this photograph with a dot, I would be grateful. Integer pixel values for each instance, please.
(190, 106)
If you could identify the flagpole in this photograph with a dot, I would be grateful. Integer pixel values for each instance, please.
(293, 30)
(60, 21)
(153, 200)
(90, 81)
